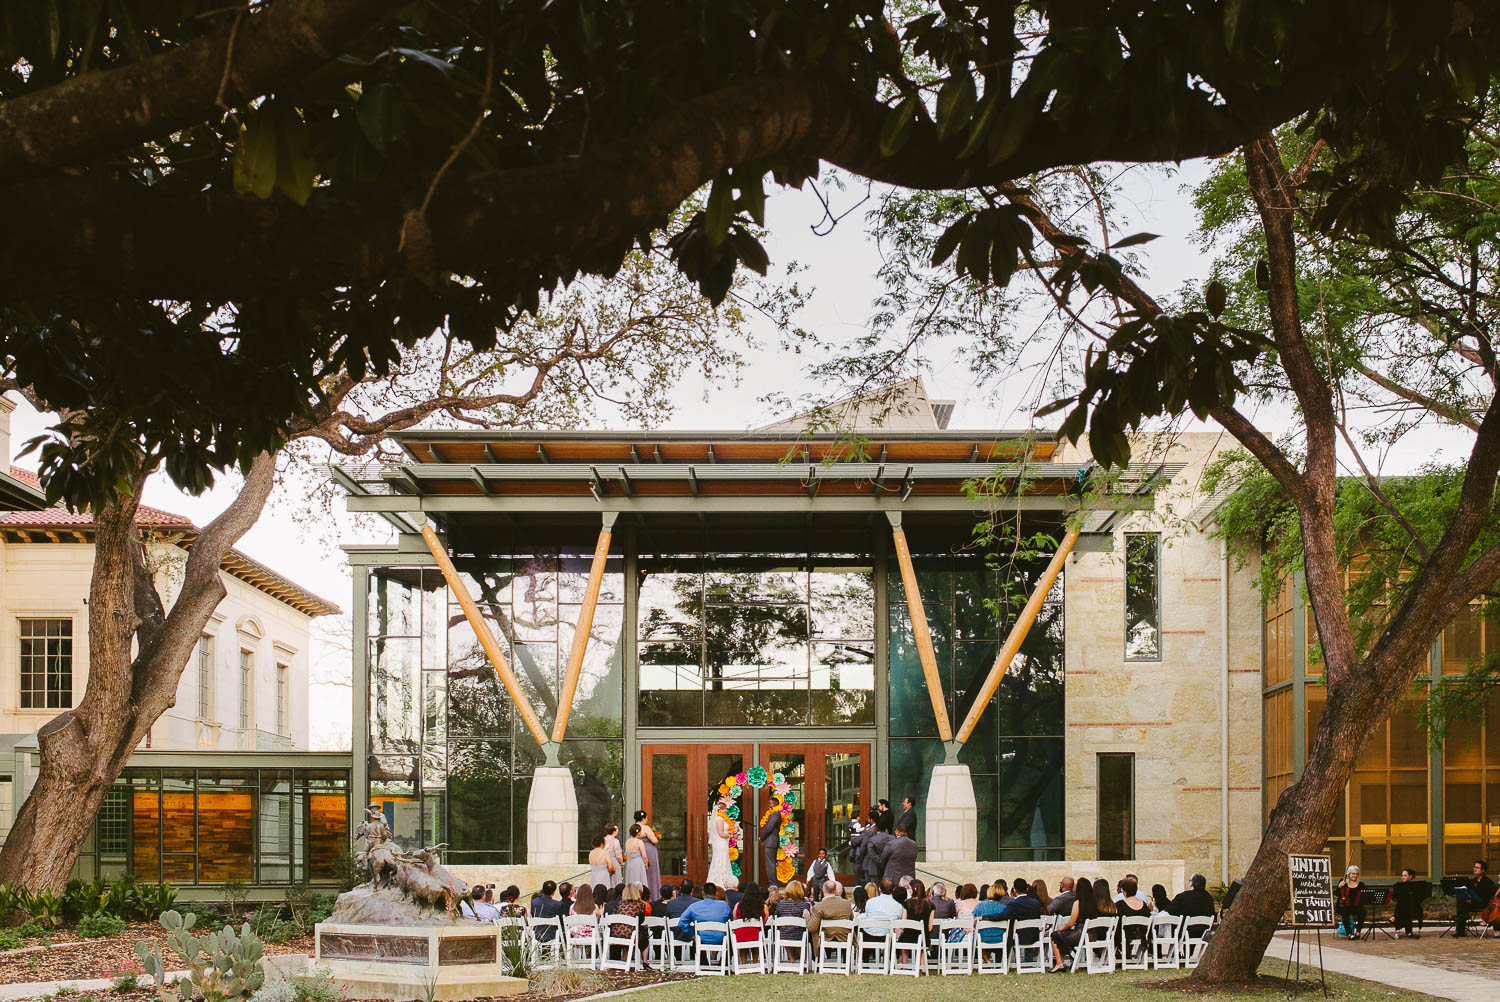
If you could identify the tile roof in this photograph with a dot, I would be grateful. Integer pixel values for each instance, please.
(241, 565)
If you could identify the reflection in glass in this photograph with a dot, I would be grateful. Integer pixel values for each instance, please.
(842, 599)
(599, 783)
(1116, 786)
(671, 686)
(843, 683)
(395, 665)
(1031, 786)
(670, 600)
(275, 826)
(669, 810)
(841, 804)
(1142, 596)
(479, 795)
(741, 579)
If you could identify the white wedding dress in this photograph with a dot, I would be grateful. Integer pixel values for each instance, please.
(718, 855)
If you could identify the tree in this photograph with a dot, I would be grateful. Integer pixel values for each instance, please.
(639, 332)
(335, 179)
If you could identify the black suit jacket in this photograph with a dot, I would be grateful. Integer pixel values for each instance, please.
(1192, 902)
(908, 820)
(888, 820)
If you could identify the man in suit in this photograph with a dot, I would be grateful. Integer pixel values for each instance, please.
(874, 850)
(908, 818)
(546, 909)
(857, 847)
(1195, 900)
(885, 816)
(678, 903)
(899, 857)
(1063, 903)
(770, 842)
(832, 905)
(1473, 896)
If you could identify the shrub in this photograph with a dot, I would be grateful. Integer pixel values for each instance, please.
(236, 893)
(30, 929)
(206, 912)
(44, 907)
(275, 991)
(308, 908)
(347, 872)
(80, 899)
(125, 979)
(9, 940)
(270, 926)
(100, 925)
(316, 986)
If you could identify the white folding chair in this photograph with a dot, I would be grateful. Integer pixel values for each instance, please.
(747, 955)
(657, 950)
(908, 956)
(582, 939)
(1096, 946)
(515, 943)
(1135, 943)
(679, 951)
(789, 946)
(1029, 945)
(1166, 938)
(628, 945)
(549, 942)
(991, 955)
(874, 947)
(955, 945)
(835, 956)
(710, 958)
(1195, 929)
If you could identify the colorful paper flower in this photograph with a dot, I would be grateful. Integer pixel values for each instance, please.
(733, 811)
(734, 868)
(790, 798)
(786, 810)
(784, 842)
(723, 789)
(780, 789)
(734, 854)
(740, 778)
(756, 777)
(792, 850)
(779, 779)
(785, 870)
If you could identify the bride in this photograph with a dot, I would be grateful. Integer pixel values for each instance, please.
(718, 852)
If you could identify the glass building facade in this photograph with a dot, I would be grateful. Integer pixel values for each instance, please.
(1434, 810)
(738, 641)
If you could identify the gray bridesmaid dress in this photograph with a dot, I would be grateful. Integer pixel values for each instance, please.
(653, 872)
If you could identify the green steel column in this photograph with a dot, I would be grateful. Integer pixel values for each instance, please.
(359, 695)
(1435, 832)
(1299, 680)
(631, 677)
(880, 754)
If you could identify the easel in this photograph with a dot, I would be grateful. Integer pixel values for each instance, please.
(1296, 952)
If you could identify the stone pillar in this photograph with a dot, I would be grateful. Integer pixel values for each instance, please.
(952, 825)
(552, 818)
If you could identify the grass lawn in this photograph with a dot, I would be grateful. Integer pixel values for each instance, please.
(1117, 987)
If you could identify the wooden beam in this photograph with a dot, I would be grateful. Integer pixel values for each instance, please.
(483, 633)
(920, 630)
(1017, 636)
(582, 629)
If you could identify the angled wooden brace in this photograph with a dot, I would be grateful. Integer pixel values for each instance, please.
(584, 626)
(920, 630)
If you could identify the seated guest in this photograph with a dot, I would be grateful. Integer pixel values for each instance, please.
(1021, 904)
(942, 905)
(1063, 903)
(545, 911)
(630, 903)
(678, 903)
(510, 905)
(1348, 906)
(1104, 897)
(1066, 933)
(1120, 885)
(1195, 900)
(968, 897)
(1408, 896)
(1132, 904)
(1042, 895)
(751, 908)
(659, 906)
(1475, 893)
(473, 906)
(883, 905)
(1160, 902)
(991, 915)
(918, 909)
(712, 908)
(832, 905)
(583, 904)
(732, 893)
(861, 898)
(793, 902)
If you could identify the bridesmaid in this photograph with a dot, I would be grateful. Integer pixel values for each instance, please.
(612, 846)
(601, 864)
(635, 858)
(649, 838)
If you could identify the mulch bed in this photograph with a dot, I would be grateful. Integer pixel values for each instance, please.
(71, 958)
(1264, 983)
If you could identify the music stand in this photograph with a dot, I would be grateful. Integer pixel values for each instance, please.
(1371, 898)
(1450, 885)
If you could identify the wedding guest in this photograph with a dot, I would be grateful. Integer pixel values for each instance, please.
(990, 914)
(751, 908)
(968, 897)
(1043, 898)
(943, 907)
(1105, 899)
(510, 906)
(883, 905)
(831, 906)
(1160, 902)
(630, 903)
(919, 909)
(1066, 933)
(583, 905)
(1195, 900)
(1066, 895)
(679, 902)
(861, 898)
(710, 908)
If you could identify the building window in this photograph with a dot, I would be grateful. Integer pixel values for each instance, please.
(205, 655)
(1116, 805)
(46, 663)
(247, 680)
(281, 693)
(1142, 596)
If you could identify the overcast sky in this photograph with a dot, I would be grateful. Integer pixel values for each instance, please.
(841, 267)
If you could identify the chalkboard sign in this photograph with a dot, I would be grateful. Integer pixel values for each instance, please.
(1312, 889)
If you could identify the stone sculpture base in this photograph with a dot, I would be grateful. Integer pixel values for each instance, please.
(460, 960)
(952, 817)
(552, 818)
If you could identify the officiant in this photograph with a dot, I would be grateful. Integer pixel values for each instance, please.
(770, 840)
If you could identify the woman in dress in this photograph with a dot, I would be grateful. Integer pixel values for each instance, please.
(649, 838)
(612, 846)
(635, 857)
(630, 903)
(601, 864)
(583, 905)
(719, 873)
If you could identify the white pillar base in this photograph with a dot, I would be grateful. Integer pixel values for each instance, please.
(552, 818)
(952, 825)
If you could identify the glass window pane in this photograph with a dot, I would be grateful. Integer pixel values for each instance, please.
(740, 579)
(974, 597)
(1031, 785)
(1116, 786)
(480, 781)
(841, 804)
(1461, 641)
(757, 665)
(843, 599)
(145, 827)
(276, 826)
(226, 825)
(395, 667)
(393, 604)
(597, 705)
(599, 783)
(669, 809)
(573, 578)
(670, 600)
(327, 823)
(179, 816)
(1142, 597)
(671, 685)
(843, 683)
(1408, 740)
(911, 708)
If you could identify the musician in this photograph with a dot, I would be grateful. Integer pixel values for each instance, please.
(1408, 895)
(1474, 895)
(1351, 913)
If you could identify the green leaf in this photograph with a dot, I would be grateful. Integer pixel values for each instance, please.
(753, 197)
(255, 157)
(295, 168)
(382, 115)
(979, 131)
(1215, 295)
(426, 58)
(956, 100)
(1234, 22)
(895, 132)
(719, 211)
(948, 242)
(1135, 239)
(1011, 133)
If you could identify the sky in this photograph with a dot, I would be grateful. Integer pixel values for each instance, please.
(301, 542)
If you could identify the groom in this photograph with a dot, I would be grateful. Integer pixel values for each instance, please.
(770, 840)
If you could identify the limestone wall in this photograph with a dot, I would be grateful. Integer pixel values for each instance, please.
(1168, 712)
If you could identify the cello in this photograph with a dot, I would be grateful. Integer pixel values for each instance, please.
(1491, 914)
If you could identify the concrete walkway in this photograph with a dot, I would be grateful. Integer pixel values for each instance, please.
(1460, 987)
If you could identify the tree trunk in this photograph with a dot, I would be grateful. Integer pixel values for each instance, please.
(84, 749)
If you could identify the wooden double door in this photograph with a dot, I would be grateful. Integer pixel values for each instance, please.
(831, 783)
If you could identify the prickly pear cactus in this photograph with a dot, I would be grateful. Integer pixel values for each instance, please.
(223, 966)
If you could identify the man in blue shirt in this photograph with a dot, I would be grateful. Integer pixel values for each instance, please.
(713, 908)
(884, 907)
